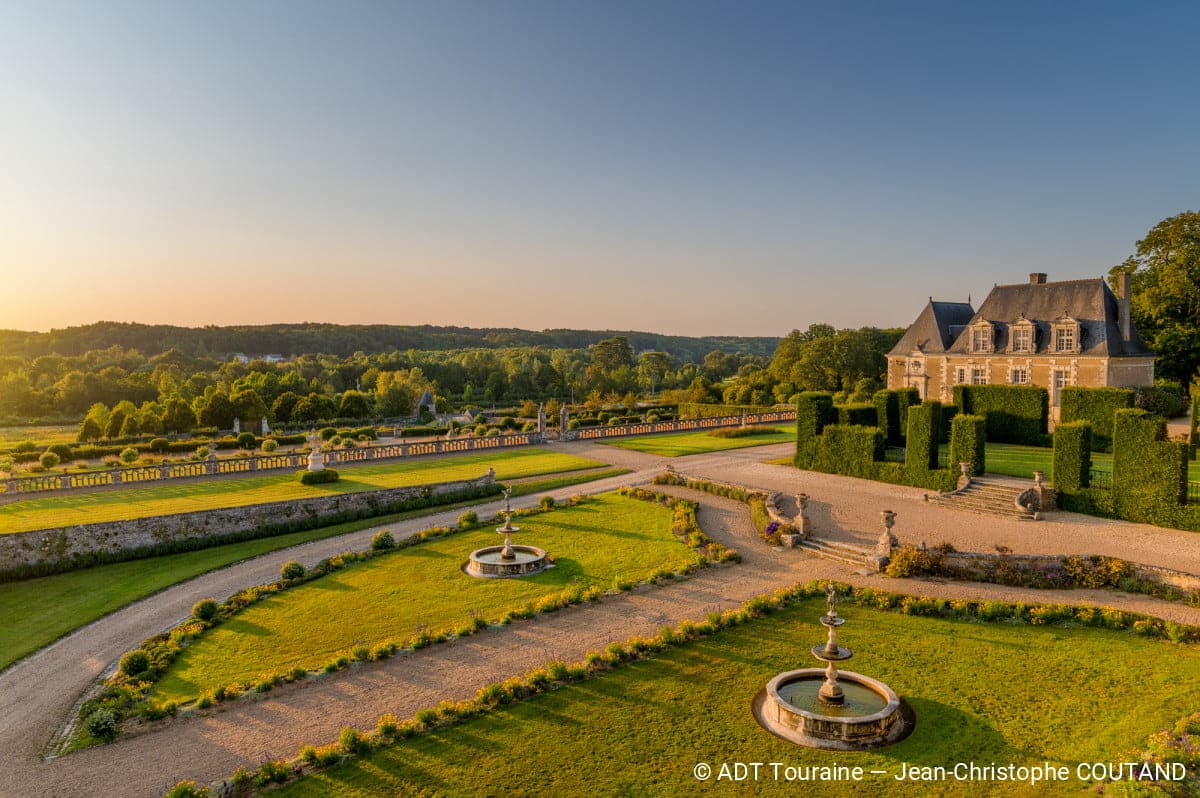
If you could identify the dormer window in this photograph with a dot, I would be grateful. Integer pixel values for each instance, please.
(982, 336)
(1021, 335)
(1067, 335)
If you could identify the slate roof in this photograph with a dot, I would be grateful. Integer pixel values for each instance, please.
(935, 329)
(426, 400)
(1090, 302)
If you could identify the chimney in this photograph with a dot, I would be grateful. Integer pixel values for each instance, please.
(1037, 278)
(1123, 306)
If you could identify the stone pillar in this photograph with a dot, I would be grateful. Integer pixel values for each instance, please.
(564, 416)
(542, 420)
(164, 472)
(210, 467)
(64, 481)
(116, 476)
(802, 522)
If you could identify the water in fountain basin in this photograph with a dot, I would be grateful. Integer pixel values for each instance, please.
(520, 556)
(860, 700)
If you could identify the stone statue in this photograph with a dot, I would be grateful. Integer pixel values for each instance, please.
(237, 426)
(542, 419)
(563, 416)
(831, 598)
(266, 430)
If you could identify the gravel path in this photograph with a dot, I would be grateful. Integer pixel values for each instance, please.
(37, 694)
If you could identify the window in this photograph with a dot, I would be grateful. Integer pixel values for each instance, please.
(1064, 339)
(979, 376)
(914, 367)
(960, 376)
(1022, 340)
(1019, 376)
(981, 339)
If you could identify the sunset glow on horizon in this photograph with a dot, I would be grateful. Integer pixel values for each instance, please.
(682, 168)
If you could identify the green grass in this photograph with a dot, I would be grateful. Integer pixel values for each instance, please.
(42, 436)
(40, 611)
(678, 444)
(181, 497)
(1022, 461)
(566, 480)
(609, 538)
(983, 693)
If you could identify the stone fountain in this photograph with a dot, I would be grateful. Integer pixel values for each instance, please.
(831, 709)
(498, 562)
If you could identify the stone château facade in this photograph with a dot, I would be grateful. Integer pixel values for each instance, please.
(1075, 332)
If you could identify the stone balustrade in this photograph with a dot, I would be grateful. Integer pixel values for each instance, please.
(681, 425)
(21, 487)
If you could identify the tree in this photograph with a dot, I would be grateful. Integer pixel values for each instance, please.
(282, 408)
(314, 407)
(178, 416)
(1165, 293)
(354, 404)
(652, 367)
(116, 419)
(89, 430)
(217, 412)
(248, 406)
(612, 353)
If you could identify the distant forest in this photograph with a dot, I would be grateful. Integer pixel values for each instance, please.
(291, 340)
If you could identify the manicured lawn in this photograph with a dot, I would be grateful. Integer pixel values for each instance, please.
(1022, 461)
(39, 611)
(677, 444)
(163, 499)
(607, 539)
(982, 692)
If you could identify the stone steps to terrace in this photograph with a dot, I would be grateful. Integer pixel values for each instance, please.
(988, 496)
(831, 550)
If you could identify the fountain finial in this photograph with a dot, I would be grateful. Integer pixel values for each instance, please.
(831, 598)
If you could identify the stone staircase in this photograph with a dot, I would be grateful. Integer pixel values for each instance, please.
(831, 550)
(988, 496)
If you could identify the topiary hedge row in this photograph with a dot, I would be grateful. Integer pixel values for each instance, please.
(968, 436)
(924, 421)
(860, 414)
(1015, 413)
(848, 449)
(814, 410)
(1149, 471)
(1095, 406)
(906, 398)
(1072, 456)
(887, 414)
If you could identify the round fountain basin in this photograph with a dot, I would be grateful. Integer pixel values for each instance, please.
(489, 563)
(870, 717)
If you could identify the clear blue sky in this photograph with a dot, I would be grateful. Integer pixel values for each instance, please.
(694, 167)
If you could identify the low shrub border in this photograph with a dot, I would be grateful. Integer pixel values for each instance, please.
(1041, 572)
(390, 730)
(126, 694)
(770, 530)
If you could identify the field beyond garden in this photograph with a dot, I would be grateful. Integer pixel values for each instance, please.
(983, 692)
(60, 510)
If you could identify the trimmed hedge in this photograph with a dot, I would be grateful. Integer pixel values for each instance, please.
(1194, 434)
(322, 477)
(1015, 413)
(924, 421)
(967, 438)
(887, 414)
(1149, 471)
(1096, 406)
(1072, 456)
(906, 398)
(948, 414)
(814, 409)
(848, 449)
(861, 414)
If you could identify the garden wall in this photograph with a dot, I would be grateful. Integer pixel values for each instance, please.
(26, 554)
